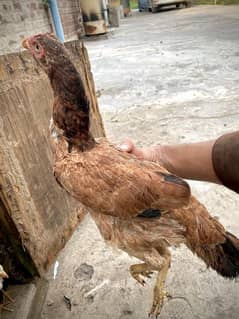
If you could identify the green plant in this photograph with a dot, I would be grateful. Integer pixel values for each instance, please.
(134, 4)
(45, 3)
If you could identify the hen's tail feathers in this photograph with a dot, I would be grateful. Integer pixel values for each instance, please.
(224, 258)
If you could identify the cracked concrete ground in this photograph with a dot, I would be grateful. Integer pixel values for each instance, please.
(170, 77)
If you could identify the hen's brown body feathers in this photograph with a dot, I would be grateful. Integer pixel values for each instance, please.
(117, 188)
(138, 206)
(114, 183)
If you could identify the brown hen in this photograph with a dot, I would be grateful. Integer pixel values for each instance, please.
(137, 205)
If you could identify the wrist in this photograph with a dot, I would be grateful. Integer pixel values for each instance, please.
(166, 157)
(158, 153)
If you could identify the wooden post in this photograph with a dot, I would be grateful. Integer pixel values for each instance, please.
(37, 217)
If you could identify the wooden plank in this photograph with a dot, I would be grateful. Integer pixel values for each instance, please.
(43, 215)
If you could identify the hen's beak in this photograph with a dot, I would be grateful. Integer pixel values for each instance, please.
(3, 274)
(25, 44)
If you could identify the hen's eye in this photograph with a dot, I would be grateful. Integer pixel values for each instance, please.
(37, 47)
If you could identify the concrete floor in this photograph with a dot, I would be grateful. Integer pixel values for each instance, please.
(169, 77)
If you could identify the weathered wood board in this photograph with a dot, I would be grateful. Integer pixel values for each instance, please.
(37, 217)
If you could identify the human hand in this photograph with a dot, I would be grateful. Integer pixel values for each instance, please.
(152, 153)
(191, 161)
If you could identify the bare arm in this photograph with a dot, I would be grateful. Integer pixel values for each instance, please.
(191, 161)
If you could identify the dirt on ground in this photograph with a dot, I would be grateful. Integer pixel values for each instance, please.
(169, 77)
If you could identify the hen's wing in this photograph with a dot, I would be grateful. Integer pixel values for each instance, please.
(113, 182)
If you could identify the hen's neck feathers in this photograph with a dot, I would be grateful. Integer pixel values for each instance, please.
(71, 107)
(67, 83)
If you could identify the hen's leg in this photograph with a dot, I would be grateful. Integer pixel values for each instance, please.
(139, 271)
(4, 307)
(159, 292)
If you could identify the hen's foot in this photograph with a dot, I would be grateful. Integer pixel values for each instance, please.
(159, 292)
(139, 272)
(4, 306)
(158, 303)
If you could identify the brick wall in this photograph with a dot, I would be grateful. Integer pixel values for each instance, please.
(20, 18)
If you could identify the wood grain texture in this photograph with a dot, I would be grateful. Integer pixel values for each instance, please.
(43, 214)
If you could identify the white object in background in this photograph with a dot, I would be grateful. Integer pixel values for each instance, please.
(55, 269)
(93, 291)
(105, 4)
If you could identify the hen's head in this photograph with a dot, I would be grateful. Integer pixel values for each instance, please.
(46, 49)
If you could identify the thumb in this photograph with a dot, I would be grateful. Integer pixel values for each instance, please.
(127, 146)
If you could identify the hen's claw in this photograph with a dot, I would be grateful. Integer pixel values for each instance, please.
(147, 274)
(139, 271)
(158, 303)
(4, 306)
(8, 296)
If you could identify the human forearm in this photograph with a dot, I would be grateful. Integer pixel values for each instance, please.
(191, 161)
